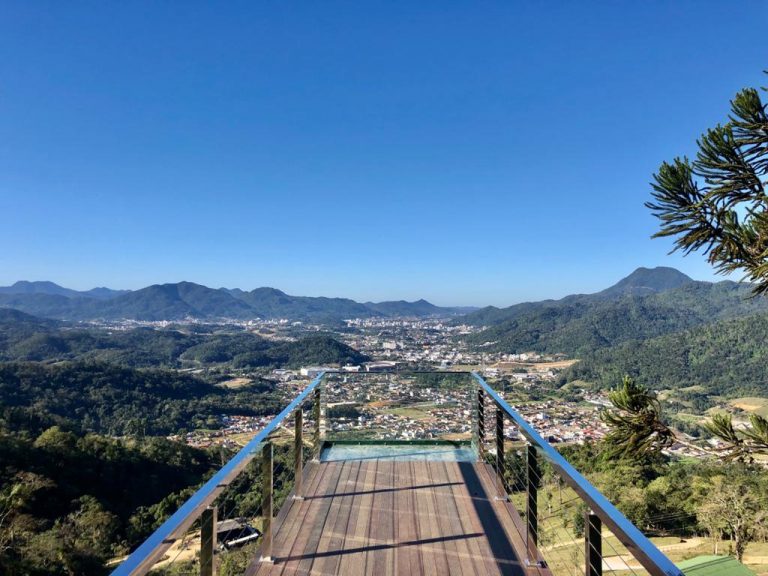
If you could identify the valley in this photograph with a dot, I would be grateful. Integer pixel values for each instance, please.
(205, 379)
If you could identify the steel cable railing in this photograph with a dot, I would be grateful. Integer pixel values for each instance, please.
(563, 521)
(229, 521)
(582, 533)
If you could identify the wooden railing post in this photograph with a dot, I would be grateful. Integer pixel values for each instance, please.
(593, 544)
(532, 508)
(267, 488)
(298, 452)
(208, 541)
(500, 460)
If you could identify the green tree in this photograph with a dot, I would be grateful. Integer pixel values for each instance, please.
(735, 504)
(16, 523)
(638, 431)
(718, 203)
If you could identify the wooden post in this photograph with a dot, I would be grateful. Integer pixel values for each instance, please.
(208, 541)
(532, 514)
(500, 461)
(593, 544)
(298, 452)
(267, 501)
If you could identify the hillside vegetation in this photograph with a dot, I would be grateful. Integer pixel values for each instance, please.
(726, 358)
(70, 502)
(26, 338)
(189, 300)
(577, 325)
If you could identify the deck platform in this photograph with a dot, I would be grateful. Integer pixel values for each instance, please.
(388, 517)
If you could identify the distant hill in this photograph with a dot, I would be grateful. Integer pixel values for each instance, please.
(403, 308)
(52, 289)
(26, 338)
(272, 303)
(646, 304)
(641, 282)
(173, 302)
(644, 281)
(722, 358)
(189, 300)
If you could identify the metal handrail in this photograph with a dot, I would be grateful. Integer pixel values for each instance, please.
(651, 558)
(150, 551)
(144, 557)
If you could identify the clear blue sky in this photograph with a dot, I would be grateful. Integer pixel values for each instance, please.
(464, 152)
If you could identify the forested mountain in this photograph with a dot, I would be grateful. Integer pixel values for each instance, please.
(641, 282)
(723, 358)
(108, 399)
(26, 338)
(52, 289)
(644, 281)
(188, 300)
(403, 308)
(70, 502)
(634, 309)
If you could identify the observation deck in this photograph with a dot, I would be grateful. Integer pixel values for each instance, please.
(385, 474)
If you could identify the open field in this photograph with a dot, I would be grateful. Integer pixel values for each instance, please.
(535, 366)
(753, 404)
(564, 551)
(409, 412)
(235, 383)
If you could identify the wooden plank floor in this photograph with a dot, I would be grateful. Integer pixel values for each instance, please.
(387, 517)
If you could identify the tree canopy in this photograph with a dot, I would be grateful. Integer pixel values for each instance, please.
(718, 203)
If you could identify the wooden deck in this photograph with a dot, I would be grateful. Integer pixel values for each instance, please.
(388, 517)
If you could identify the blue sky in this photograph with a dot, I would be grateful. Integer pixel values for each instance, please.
(464, 152)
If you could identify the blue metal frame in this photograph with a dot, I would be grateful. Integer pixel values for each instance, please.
(635, 541)
(144, 557)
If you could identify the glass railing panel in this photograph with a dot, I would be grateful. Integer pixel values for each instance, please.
(416, 407)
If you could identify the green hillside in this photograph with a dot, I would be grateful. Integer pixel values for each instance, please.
(189, 300)
(578, 325)
(723, 358)
(26, 338)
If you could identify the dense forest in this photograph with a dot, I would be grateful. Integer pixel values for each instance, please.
(726, 358)
(581, 325)
(85, 470)
(184, 300)
(109, 399)
(27, 338)
(69, 502)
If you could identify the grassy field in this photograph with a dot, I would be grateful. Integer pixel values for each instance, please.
(235, 383)
(564, 551)
(413, 411)
(752, 404)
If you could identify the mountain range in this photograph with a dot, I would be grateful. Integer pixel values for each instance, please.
(646, 304)
(189, 300)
